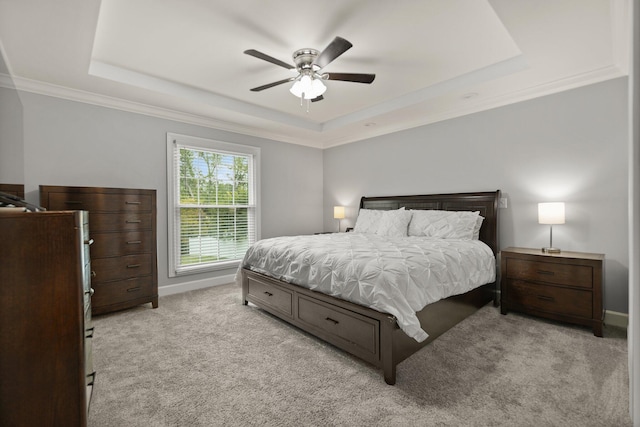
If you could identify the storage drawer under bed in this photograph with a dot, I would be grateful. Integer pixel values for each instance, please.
(272, 296)
(348, 329)
(340, 326)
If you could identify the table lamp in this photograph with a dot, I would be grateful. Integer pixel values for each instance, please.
(551, 213)
(338, 213)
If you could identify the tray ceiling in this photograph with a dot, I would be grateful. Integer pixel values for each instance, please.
(433, 60)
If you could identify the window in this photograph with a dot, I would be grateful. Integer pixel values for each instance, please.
(212, 203)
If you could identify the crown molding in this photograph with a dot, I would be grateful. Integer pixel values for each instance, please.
(320, 141)
(550, 88)
(62, 92)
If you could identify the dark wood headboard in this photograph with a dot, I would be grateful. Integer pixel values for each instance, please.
(485, 202)
(13, 189)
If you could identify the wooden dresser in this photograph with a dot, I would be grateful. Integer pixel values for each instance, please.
(565, 286)
(46, 369)
(123, 256)
(13, 189)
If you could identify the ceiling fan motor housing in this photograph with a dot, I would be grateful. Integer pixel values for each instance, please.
(304, 58)
(308, 63)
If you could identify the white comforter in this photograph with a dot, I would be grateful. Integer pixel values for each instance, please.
(399, 276)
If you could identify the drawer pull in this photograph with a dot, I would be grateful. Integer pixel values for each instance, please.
(127, 202)
(549, 273)
(134, 242)
(545, 298)
(90, 292)
(88, 242)
(133, 265)
(133, 221)
(93, 273)
(93, 378)
(89, 333)
(136, 289)
(329, 319)
(269, 294)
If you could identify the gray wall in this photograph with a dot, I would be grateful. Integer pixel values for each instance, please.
(76, 144)
(569, 147)
(11, 144)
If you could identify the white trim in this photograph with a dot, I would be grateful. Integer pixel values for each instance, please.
(484, 104)
(617, 319)
(315, 139)
(633, 331)
(100, 100)
(134, 78)
(195, 285)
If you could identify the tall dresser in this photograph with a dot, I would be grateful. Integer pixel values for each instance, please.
(123, 256)
(46, 369)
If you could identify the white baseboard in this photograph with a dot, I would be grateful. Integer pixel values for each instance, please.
(615, 318)
(196, 284)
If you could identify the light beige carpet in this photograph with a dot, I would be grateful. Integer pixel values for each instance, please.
(203, 359)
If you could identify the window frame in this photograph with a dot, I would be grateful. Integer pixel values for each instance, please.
(173, 228)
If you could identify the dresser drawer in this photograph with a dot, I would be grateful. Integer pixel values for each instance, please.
(552, 299)
(560, 274)
(357, 332)
(122, 290)
(272, 296)
(124, 267)
(127, 243)
(121, 222)
(99, 202)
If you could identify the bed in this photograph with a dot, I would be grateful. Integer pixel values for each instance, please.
(364, 330)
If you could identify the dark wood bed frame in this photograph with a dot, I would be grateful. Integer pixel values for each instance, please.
(366, 333)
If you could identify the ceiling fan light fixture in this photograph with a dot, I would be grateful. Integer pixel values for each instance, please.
(296, 89)
(308, 87)
(318, 88)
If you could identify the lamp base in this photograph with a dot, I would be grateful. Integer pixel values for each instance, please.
(551, 250)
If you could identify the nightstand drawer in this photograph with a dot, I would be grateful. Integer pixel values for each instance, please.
(550, 299)
(560, 274)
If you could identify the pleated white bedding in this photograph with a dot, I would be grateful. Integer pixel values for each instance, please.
(395, 275)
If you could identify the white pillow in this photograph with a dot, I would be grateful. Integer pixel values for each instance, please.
(476, 229)
(394, 223)
(444, 224)
(368, 221)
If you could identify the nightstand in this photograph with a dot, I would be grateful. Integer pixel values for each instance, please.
(565, 286)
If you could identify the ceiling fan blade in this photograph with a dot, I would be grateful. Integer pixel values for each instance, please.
(265, 57)
(267, 86)
(350, 77)
(336, 48)
(317, 98)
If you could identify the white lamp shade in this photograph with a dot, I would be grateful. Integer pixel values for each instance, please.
(551, 213)
(338, 212)
(308, 88)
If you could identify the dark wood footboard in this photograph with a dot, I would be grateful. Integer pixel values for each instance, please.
(371, 335)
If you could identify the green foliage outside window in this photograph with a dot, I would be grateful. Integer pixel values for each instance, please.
(214, 206)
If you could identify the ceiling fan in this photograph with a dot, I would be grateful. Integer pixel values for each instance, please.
(309, 63)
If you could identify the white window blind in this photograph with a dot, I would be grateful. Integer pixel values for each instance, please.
(213, 212)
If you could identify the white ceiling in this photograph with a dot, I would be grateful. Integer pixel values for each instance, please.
(433, 59)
